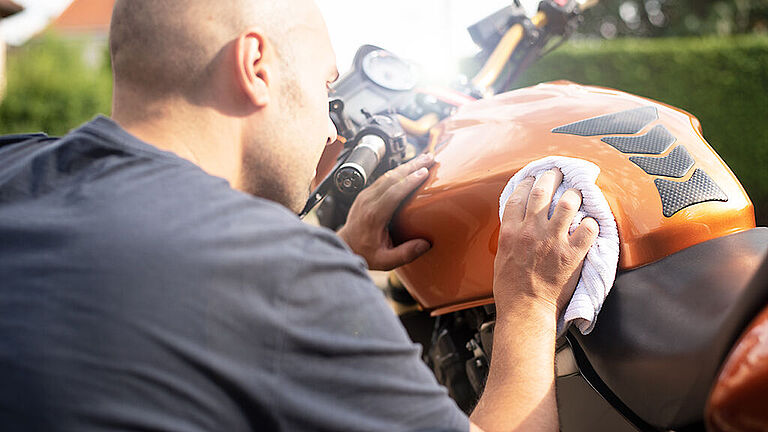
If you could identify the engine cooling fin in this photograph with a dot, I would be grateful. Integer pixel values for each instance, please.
(624, 122)
(676, 164)
(657, 141)
(676, 196)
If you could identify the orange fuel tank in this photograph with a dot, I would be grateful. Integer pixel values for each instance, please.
(666, 186)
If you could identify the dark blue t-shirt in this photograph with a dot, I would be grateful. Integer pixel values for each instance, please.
(138, 292)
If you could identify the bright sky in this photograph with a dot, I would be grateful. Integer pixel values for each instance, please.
(431, 33)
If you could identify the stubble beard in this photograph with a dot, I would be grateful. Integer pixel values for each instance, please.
(260, 181)
(273, 177)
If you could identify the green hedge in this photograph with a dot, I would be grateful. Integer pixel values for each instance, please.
(51, 87)
(722, 81)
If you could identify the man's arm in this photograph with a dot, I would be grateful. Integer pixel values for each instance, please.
(520, 390)
(536, 270)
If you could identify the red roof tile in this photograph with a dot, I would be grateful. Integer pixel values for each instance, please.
(85, 16)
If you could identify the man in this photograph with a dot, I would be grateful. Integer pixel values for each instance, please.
(154, 275)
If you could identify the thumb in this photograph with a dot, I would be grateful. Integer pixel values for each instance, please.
(403, 254)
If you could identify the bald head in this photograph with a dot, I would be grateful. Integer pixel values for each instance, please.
(169, 46)
(238, 87)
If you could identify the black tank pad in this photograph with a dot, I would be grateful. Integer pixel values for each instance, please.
(623, 122)
(676, 164)
(656, 141)
(676, 196)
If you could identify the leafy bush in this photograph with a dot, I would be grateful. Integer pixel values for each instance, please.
(722, 81)
(52, 88)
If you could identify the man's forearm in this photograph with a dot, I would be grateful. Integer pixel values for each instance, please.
(520, 391)
(536, 270)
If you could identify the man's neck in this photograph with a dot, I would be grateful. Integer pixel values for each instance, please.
(201, 136)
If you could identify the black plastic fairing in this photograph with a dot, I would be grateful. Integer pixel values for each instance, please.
(665, 328)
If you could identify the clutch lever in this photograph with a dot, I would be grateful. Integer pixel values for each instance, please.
(321, 190)
(336, 112)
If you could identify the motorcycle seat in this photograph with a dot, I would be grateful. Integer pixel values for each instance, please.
(666, 328)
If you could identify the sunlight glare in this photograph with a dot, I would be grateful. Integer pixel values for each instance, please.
(429, 33)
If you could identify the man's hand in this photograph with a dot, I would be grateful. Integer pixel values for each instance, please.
(537, 266)
(367, 228)
(537, 257)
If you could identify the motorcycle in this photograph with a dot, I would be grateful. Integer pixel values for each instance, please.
(681, 342)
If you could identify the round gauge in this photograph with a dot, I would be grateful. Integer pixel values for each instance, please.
(389, 71)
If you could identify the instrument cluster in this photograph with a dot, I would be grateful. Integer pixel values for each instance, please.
(377, 82)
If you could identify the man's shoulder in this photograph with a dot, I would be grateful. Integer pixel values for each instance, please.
(8, 140)
(134, 198)
(179, 206)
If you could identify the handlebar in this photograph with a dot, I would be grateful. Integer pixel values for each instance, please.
(380, 140)
(509, 43)
(353, 175)
(504, 50)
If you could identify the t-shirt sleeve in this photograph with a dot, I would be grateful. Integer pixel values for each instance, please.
(345, 360)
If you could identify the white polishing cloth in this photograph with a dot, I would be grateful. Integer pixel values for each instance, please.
(599, 271)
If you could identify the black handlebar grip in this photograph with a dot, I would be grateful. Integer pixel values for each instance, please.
(352, 176)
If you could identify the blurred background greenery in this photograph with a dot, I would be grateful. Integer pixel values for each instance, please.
(669, 18)
(707, 57)
(53, 85)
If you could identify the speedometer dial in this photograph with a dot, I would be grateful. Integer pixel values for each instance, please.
(389, 71)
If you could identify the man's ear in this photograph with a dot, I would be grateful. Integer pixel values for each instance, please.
(253, 68)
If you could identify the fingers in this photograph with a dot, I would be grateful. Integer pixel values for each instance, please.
(540, 198)
(396, 193)
(397, 175)
(366, 230)
(585, 234)
(405, 253)
(398, 184)
(514, 209)
(565, 211)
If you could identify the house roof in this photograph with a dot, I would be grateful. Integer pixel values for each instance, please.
(8, 8)
(85, 16)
